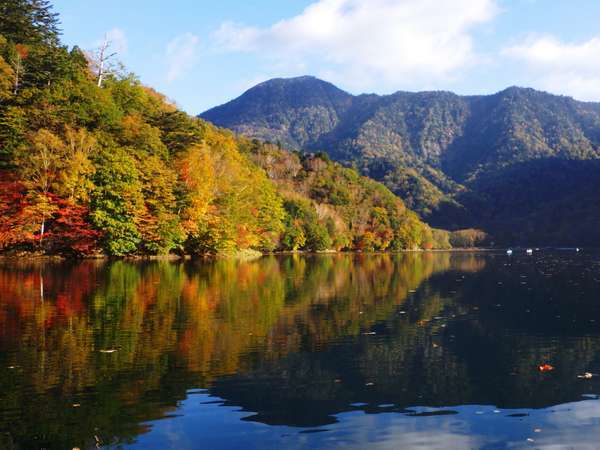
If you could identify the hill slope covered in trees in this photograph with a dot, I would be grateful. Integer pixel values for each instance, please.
(521, 164)
(110, 166)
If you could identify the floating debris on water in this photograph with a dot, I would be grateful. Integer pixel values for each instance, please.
(108, 350)
(586, 375)
(545, 368)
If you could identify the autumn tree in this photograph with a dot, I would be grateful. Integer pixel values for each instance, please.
(117, 201)
(468, 238)
(40, 164)
(304, 231)
(15, 220)
(75, 178)
(159, 224)
(71, 232)
(7, 74)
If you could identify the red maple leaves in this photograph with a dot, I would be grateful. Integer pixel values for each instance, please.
(68, 230)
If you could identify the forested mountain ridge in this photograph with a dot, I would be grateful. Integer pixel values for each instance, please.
(95, 162)
(506, 162)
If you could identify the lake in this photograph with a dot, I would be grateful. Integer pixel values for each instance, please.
(416, 350)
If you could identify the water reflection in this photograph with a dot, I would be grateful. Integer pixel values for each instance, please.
(96, 352)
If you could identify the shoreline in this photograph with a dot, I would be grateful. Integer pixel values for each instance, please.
(236, 256)
(253, 254)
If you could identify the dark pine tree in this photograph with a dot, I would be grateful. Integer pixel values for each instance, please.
(29, 22)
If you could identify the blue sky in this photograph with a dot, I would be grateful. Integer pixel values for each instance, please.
(204, 53)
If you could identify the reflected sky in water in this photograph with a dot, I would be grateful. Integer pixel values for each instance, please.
(572, 425)
(423, 350)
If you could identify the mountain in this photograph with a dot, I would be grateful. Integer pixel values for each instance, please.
(294, 112)
(521, 164)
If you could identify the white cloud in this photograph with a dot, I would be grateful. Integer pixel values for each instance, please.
(390, 41)
(117, 40)
(181, 55)
(567, 68)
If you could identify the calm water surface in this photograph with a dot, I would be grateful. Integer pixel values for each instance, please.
(435, 350)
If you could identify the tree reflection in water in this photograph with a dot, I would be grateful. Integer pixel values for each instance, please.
(295, 340)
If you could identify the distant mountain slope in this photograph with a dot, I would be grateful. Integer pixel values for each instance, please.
(497, 161)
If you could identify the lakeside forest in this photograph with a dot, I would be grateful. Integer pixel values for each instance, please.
(93, 162)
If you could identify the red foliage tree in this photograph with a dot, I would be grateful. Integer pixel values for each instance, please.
(69, 231)
(14, 218)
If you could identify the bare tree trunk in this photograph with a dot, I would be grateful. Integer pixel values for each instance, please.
(42, 227)
(102, 59)
(18, 67)
(101, 65)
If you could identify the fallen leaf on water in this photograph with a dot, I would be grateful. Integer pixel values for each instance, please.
(545, 368)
